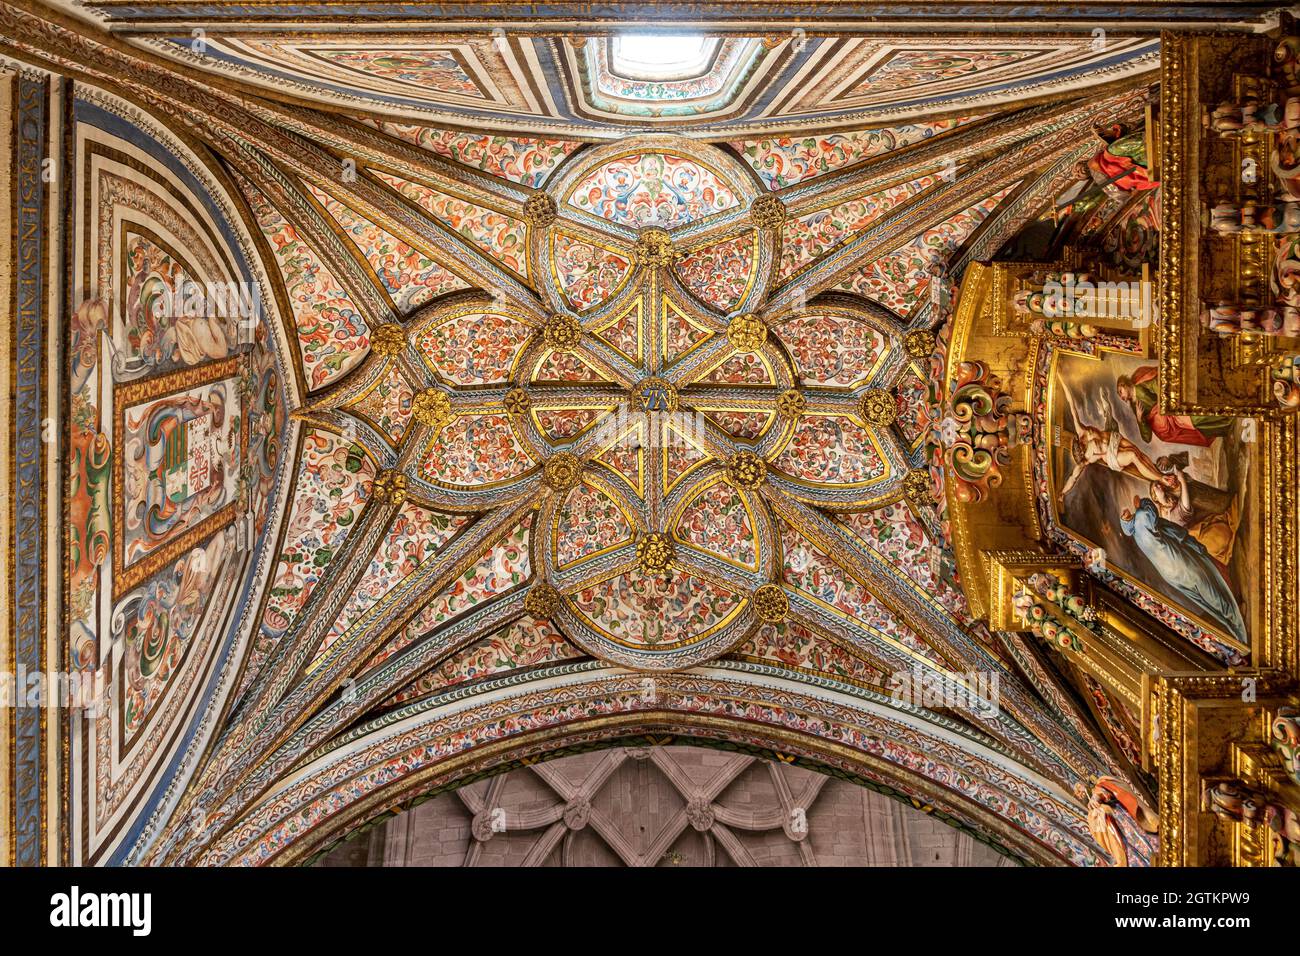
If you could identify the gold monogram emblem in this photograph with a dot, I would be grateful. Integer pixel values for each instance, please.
(656, 395)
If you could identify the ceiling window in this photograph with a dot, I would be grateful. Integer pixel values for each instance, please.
(661, 56)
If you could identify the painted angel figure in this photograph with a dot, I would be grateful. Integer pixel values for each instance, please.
(1104, 445)
(1119, 820)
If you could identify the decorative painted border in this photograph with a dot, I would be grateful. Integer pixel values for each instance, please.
(828, 15)
(545, 65)
(205, 708)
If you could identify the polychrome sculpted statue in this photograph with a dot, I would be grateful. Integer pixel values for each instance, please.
(1228, 319)
(1112, 809)
(1286, 740)
(1233, 119)
(1233, 800)
(1277, 218)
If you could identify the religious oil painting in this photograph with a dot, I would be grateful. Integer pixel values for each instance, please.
(1164, 499)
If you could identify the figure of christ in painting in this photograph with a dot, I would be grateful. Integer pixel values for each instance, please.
(1185, 565)
(1105, 446)
(1138, 391)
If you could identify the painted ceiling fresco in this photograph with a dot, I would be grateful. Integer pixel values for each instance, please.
(641, 420)
(178, 463)
(646, 406)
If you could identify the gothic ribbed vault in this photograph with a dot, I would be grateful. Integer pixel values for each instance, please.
(656, 404)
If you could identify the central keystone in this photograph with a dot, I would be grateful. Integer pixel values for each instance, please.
(655, 395)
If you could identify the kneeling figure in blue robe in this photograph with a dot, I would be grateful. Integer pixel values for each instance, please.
(1184, 564)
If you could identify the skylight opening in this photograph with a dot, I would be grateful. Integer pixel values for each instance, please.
(662, 56)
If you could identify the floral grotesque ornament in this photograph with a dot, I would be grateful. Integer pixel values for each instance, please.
(539, 210)
(517, 402)
(541, 601)
(654, 247)
(771, 604)
(655, 553)
(919, 344)
(746, 470)
(389, 486)
(387, 339)
(747, 333)
(918, 488)
(980, 446)
(562, 332)
(791, 403)
(562, 471)
(879, 407)
(767, 211)
(431, 408)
